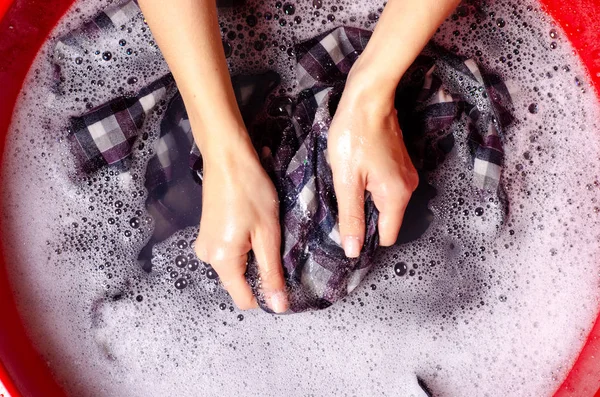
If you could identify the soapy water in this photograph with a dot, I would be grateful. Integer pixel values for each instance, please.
(482, 303)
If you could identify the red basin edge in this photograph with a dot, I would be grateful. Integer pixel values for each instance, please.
(23, 371)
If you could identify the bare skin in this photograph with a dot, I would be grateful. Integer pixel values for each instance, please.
(240, 207)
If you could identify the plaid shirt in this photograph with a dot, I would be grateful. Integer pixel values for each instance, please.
(438, 90)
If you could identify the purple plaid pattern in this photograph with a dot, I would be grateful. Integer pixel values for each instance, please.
(437, 107)
(291, 136)
(105, 135)
(107, 19)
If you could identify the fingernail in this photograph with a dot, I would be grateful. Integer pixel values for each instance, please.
(352, 246)
(278, 302)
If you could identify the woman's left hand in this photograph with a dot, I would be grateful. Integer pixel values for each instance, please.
(367, 153)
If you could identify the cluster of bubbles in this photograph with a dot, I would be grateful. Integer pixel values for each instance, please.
(496, 281)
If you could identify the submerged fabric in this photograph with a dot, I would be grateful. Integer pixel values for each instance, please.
(441, 91)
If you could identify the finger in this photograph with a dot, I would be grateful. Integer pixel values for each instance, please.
(351, 206)
(231, 272)
(267, 250)
(391, 213)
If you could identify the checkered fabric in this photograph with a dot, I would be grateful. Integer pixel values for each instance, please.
(437, 90)
(105, 135)
(438, 94)
(112, 17)
(107, 19)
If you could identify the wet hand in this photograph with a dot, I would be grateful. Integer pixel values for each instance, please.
(367, 153)
(240, 212)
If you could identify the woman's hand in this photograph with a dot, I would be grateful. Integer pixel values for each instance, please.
(239, 208)
(367, 153)
(365, 141)
(240, 211)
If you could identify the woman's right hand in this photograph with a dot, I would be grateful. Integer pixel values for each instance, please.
(240, 206)
(240, 212)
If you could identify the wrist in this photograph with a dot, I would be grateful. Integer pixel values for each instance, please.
(366, 88)
(225, 146)
(217, 127)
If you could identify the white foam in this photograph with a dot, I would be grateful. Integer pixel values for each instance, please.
(511, 324)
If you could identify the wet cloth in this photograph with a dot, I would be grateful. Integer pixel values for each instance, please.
(440, 91)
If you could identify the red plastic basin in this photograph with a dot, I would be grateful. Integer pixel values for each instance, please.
(22, 371)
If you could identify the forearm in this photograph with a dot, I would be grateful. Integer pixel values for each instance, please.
(187, 32)
(403, 30)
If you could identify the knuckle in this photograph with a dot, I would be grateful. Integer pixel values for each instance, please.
(352, 220)
(355, 217)
(270, 273)
(271, 228)
(413, 180)
(401, 186)
(391, 188)
(225, 282)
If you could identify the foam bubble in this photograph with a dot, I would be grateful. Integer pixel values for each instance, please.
(470, 308)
